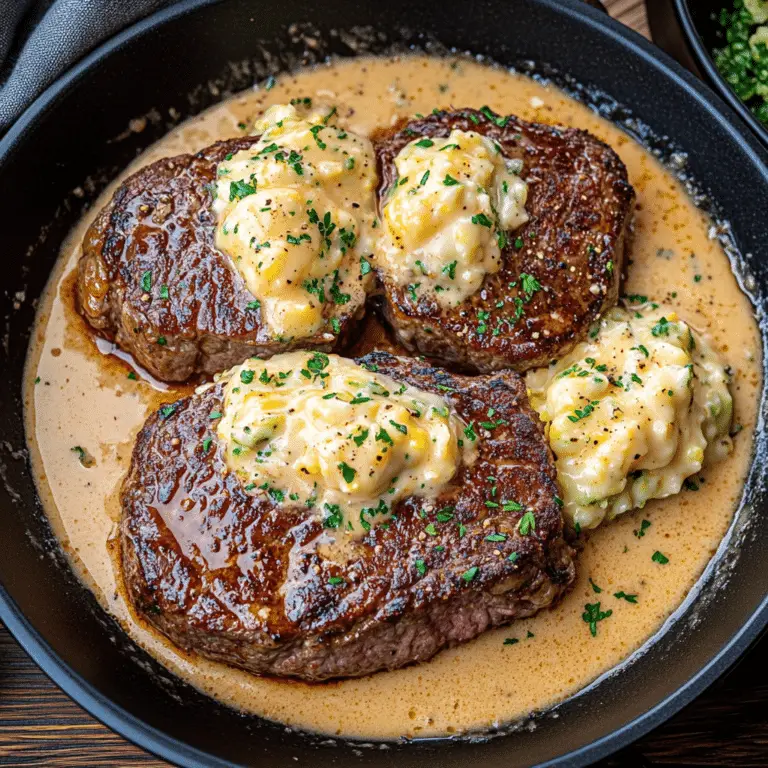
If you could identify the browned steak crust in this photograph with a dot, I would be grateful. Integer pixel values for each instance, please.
(579, 203)
(160, 221)
(231, 576)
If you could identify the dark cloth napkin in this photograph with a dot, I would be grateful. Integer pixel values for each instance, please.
(41, 39)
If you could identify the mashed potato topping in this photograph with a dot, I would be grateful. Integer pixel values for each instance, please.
(632, 412)
(321, 431)
(448, 214)
(294, 213)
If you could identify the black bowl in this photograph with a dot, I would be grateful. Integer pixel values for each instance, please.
(74, 138)
(689, 31)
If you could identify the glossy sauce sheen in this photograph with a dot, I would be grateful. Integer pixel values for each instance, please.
(84, 398)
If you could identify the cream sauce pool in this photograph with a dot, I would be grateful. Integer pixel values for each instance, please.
(77, 396)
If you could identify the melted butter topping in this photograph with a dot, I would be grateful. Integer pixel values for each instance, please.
(322, 431)
(294, 215)
(448, 213)
(633, 412)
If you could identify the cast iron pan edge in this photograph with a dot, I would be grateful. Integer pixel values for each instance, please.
(172, 749)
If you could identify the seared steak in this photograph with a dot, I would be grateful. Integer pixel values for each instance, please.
(579, 206)
(151, 279)
(235, 578)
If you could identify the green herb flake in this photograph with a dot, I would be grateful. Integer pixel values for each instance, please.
(347, 472)
(527, 523)
(470, 574)
(592, 615)
(644, 526)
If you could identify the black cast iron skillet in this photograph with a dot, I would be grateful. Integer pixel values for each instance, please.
(690, 31)
(74, 138)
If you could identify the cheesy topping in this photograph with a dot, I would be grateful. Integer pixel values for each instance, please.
(632, 412)
(294, 214)
(448, 214)
(317, 430)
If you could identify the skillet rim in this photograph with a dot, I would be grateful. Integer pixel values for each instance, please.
(180, 752)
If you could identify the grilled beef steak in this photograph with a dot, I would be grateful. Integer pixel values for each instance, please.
(234, 577)
(570, 251)
(151, 279)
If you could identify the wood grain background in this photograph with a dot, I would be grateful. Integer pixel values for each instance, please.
(727, 726)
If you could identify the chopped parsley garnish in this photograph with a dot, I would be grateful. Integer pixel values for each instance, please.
(449, 181)
(511, 641)
(168, 410)
(529, 284)
(496, 537)
(500, 121)
(644, 525)
(334, 581)
(527, 523)
(421, 567)
(659, 558)
(315, 131)
(582, 413)
(336, 294)
(207, 444)
(592, 615)
(298, 240)
(743, 59)
(240, 189)
(246, 376)
(146, 281)
(214, 415)
(424, 143)
(661, 328)
(399, 427)
(365, 266)
(625, 596)
(595, 588)
(383, 436)
(482, 220)
(334, 518)
(162, 341)
(470, 574)
(347, 472)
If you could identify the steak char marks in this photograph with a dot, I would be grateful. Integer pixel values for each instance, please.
(152, 280)
(579, 206)
(236, 578)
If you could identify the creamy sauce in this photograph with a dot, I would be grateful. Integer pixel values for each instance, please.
(86, 399)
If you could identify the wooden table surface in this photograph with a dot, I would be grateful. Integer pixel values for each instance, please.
(727, 726)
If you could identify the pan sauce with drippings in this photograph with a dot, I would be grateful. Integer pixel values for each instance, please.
(79, 398)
